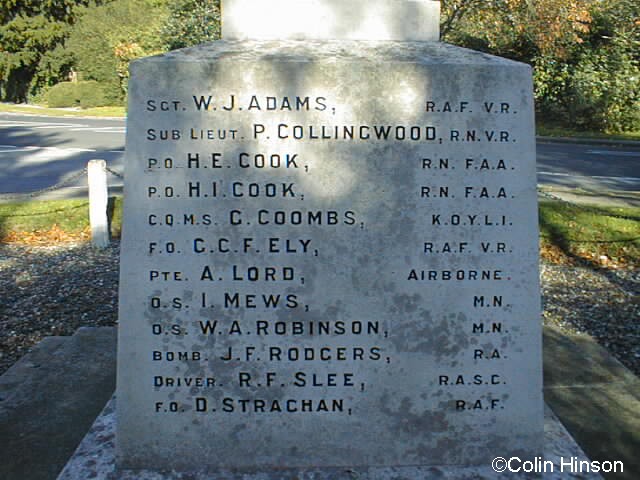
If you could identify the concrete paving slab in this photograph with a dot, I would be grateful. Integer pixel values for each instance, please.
(27, 369)
(604, 420)
(577, 360)
(596, 397)
(50, 398)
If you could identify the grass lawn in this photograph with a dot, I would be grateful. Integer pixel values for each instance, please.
(599, 236)
(42, 222)
(544, 129)
(62, 112)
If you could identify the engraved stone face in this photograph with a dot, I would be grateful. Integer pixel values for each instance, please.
(329, 258)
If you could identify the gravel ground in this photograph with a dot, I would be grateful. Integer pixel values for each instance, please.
(55, 290)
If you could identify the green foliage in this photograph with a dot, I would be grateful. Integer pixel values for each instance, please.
(63, 95)
(30, 33)
(86, 94)
(25, 43)
(598, 86)
(53, 67)
(191, 22)
(93, 94)
(519, 29)
(39, 110)
(604, 92)
(107, 37)
(552, 129)
(452, 15)
(586, 55)
(59, 10)
(550, 79)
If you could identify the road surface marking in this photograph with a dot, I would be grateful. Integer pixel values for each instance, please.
(17, 125)
(69, 149)
(40, 125)
(614, 153)
(73, 127)
(599, 177)
(31, 148)
(13, 148)
(624, 179)
(50, 127)
(99, 129)
(24, 149)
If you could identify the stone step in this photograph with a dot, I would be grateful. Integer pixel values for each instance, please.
(596, 398)
(50, 398)
(27, 368)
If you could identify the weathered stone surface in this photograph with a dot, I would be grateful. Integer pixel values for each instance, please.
(406, 20)
(95, 459)
(396, 210)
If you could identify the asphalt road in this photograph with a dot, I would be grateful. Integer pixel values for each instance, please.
(589, 166)
(39, 152)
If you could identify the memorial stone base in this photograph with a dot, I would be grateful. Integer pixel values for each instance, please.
(368, 296)
(95, 459)
(329, 261)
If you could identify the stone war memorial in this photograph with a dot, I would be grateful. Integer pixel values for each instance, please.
(330, 249)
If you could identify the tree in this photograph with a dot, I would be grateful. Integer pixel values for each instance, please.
(106, 38)
(453, 13)
(30, 32)
(60, 10)
(192, 22)
(586, 54)
(598, 85)
(520, 29)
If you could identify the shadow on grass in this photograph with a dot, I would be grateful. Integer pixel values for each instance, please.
(52, 211)
(22, 220)
(583, 233)
(69, 216)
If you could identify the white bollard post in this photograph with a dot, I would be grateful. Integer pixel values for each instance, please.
(98, 198)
